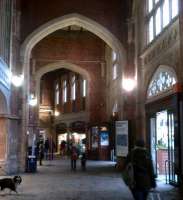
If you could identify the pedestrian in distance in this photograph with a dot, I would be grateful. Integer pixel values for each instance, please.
(46, 148)
(83, 161)
(74, 157)
(41, 153)
(62, 148)
(138, 171)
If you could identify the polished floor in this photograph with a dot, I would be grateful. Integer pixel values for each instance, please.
(55, 181)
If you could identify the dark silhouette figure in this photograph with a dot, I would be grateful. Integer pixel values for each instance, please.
(83, 161)
(143, 175)
(41, 153)
(63, 148)
(74, 157)
(46, 148)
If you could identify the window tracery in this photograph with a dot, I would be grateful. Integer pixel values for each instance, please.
(162, 81)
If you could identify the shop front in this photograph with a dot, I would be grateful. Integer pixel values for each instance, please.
(99, 142)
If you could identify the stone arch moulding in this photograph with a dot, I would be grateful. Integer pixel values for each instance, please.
(54, 66)
(68, 20)
(158, 70)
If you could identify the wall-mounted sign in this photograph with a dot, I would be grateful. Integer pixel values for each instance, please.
(104, 138)
(121, 138)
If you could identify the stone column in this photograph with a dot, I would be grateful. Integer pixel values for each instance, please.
(181, 65)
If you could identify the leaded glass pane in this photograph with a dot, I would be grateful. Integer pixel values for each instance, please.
(175, 8)
(166, 13)
(151, 30)
(162, 81)
(150, 5)
(158, 21)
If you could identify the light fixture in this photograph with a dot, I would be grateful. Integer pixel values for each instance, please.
(56, 113)
(32, 100)
(17, 80)
(128, 84)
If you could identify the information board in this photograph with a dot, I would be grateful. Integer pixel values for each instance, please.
(121, 128)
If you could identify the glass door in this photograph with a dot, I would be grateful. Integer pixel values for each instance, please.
(153, 142)
(164, 146)
(172, 161)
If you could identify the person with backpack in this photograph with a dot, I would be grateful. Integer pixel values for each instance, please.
(74, 157)
(139, 167)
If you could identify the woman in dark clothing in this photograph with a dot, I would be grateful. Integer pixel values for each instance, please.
(144, 178)
(74, 157)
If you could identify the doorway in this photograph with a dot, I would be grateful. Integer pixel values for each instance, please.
(162, 144)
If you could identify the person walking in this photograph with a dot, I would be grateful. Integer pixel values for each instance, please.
(63, 148)
(74, 157)
(141, 170)
(83, 161)
(41, 153)
(46, 148)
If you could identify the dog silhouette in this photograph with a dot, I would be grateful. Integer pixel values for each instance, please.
(10, 183)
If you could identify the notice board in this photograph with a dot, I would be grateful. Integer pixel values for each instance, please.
(121, 128)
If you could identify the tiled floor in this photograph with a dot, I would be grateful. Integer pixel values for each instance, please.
(55, 181)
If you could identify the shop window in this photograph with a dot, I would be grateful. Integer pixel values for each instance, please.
(163, 80)
(160, 13)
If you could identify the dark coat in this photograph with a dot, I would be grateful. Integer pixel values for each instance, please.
(143, 169)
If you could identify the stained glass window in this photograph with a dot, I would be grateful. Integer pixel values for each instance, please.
(162, 81)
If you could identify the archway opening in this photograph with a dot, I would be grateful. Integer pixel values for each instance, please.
(57, 27)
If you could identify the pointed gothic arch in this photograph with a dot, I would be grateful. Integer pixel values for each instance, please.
(54, 66)
(48, 28)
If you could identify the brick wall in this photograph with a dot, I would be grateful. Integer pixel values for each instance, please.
(83, 49)
(110, 14)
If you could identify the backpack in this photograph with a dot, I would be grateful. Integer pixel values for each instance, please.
(128, 175)
(74, 155)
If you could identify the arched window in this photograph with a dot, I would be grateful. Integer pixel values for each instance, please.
(114, 65)
(163, 80)
(64, 91)
(115, 108)
(84, 88)
(73, 89)
(57, 94)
